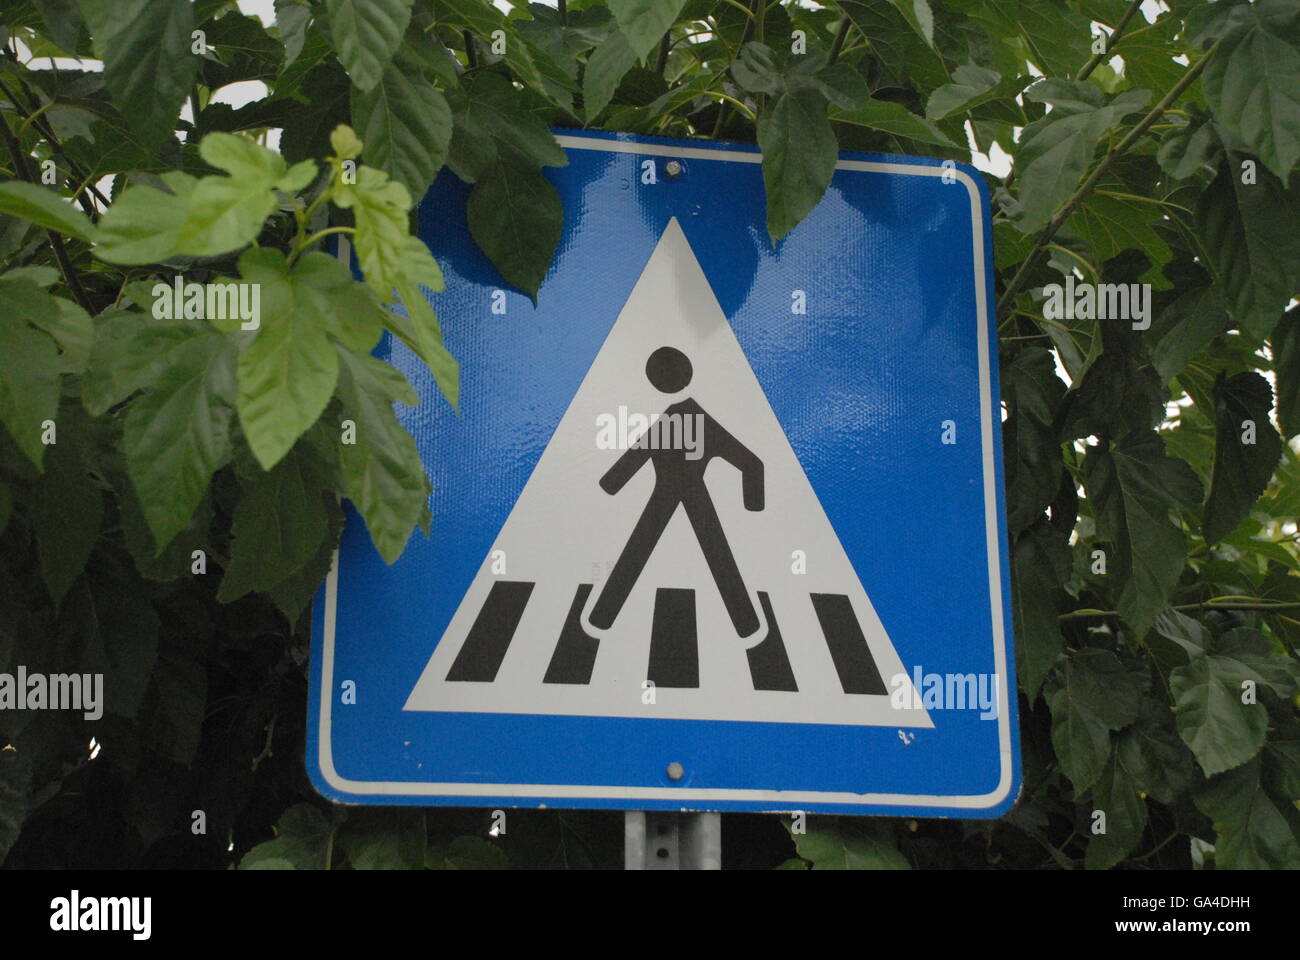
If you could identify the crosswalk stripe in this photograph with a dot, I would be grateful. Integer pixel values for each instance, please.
(575, 653)
(674, 642)
(769, 666)
(848, 647)
(674, 646)
(485, 646)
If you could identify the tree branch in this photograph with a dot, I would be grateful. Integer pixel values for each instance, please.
(1253, 604)
(1113, 39)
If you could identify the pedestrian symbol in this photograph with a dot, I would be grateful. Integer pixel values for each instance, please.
(669, 560)
(679, 481)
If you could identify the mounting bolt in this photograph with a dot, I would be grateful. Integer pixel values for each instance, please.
(676, 771)
(673, 168)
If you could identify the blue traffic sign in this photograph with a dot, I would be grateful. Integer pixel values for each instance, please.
(719, 524)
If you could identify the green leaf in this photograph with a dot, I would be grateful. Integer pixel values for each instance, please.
(516, 218)
(1184, 152)
(892, 118)
(644, 22)
(971, 87)
(608, 64)
(292, 17)
(919, 15)
(392, 259)
(15, 782)
(392, 838)
(148, 66)
(834, 848)
(1241, 469)
(122, 640)
(799, 157)
(379, 206)
(1054, 153)
(1056, 38)
(277, 528)
(404, 121)
(70, 327)
(226, 213)
(1151, 753)
(908, 59)
(382, 471)
(1286, 368)
(1116, 795)
(29, 385)
(1187, 633)
(1221, 731)
(1040, 564)
(63, 22)
(1133, 486)
(1111, 224)
(288, 370)
(366, 35)
(1252, 831)
(131, 350)
(757, 69)
(493, 126)
(143, 225)
(1252, 82)
(304, 840)
(66, 513)
(1092, 695)
(45, 208)
(177, 435)
(1032, 392)
(292, 594)
(1185, 327)
(1249, 231)
(474, 853)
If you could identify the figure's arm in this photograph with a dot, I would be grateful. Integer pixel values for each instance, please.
(624, 469)
(724, 445)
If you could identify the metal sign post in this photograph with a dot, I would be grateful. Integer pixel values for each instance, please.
(672, 840)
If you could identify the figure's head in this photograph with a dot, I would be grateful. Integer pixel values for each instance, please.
(668, 369)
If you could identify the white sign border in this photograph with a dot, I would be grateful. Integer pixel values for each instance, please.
(700, 797)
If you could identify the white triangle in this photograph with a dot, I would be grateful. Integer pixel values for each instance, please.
(565, 530)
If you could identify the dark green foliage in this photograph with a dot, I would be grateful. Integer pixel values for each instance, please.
(173, 535)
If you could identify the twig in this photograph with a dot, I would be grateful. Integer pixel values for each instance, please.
(1113, 39)
(70, 277)
(838, 45)
(266, 748)
(1116, 152)
(1253, 604)
(46, 131)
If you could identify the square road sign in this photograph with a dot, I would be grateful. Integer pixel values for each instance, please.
(719, 525)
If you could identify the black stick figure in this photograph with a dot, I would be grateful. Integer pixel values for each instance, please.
(679, 481)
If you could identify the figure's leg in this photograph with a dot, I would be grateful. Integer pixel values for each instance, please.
(708, 530)
(632, 560)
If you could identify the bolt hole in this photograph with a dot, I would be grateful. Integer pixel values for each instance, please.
(662, 853)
